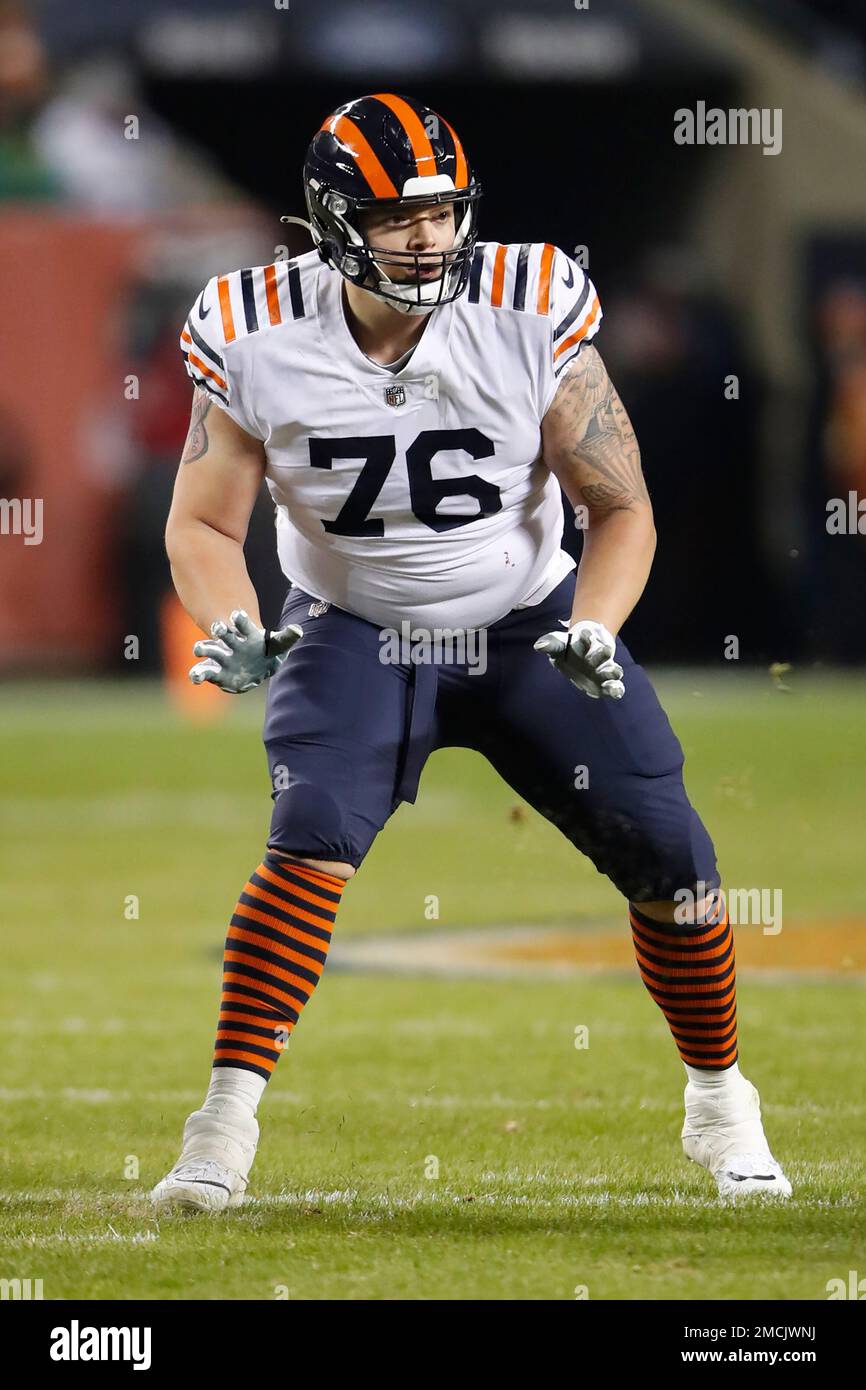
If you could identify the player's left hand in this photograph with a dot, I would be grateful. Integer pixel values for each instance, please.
(242, 655)
(585, 654)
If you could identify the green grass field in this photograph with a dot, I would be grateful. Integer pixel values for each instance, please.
(557, 1168)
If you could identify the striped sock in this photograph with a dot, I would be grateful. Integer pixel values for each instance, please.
(275, 951)
(691, 974)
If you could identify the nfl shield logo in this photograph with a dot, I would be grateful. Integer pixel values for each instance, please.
(395, 395)
(318, 608)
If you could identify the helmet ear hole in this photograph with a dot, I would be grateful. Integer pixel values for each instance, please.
(329, 250)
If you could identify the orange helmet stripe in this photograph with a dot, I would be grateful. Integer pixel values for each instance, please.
(350, 136)
(543, 304)
(425, 158)
(461, 176)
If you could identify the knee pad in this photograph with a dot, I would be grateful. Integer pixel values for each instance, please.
(308, 820)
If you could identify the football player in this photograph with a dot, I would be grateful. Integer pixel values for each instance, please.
(415, 398)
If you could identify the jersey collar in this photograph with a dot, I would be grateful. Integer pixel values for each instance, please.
(426, 358)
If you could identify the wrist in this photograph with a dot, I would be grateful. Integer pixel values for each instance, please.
(582, 616)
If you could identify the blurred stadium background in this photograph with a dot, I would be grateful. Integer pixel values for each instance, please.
(712, 261)
(143, 149)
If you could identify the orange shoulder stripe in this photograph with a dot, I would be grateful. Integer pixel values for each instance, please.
(273, 296)
(202, 366)
(226, 308)
(576, 337)
(543, 302)
(498, 276)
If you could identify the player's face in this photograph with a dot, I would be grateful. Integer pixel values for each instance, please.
(425, 231)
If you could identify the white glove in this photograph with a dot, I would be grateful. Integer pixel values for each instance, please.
(243, 655)
(585, 654)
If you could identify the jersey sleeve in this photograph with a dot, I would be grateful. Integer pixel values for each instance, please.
(203, 346)
(575, 315)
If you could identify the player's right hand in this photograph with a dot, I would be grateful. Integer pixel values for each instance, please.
(242, 655)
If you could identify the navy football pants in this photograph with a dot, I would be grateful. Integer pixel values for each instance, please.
(347, 737)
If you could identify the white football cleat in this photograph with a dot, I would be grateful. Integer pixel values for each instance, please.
(213, 1169)
(723, 1132)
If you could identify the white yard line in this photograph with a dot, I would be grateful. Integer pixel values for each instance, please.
(362, 1096)
(140, 1238)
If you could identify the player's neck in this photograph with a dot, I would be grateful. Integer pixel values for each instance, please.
(383, 333)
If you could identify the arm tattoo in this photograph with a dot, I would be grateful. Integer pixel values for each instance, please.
(197, 441)
(593, 446)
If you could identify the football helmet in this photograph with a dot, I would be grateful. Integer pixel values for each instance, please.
(386, 151)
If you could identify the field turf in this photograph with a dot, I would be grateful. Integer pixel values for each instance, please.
(558, 1169)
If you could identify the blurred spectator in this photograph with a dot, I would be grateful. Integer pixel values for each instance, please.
(23, 83)
(842, 323)
(111, 154)
(838, 627)
(88, 138)
(15, 456)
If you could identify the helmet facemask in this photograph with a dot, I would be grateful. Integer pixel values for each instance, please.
(335, 224)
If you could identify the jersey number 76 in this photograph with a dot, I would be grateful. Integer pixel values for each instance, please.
(379, 452)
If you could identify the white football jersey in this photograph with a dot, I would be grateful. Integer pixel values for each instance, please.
(419, 495)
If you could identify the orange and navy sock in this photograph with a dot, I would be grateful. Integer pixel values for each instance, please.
(691, 974)
(275, 952)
